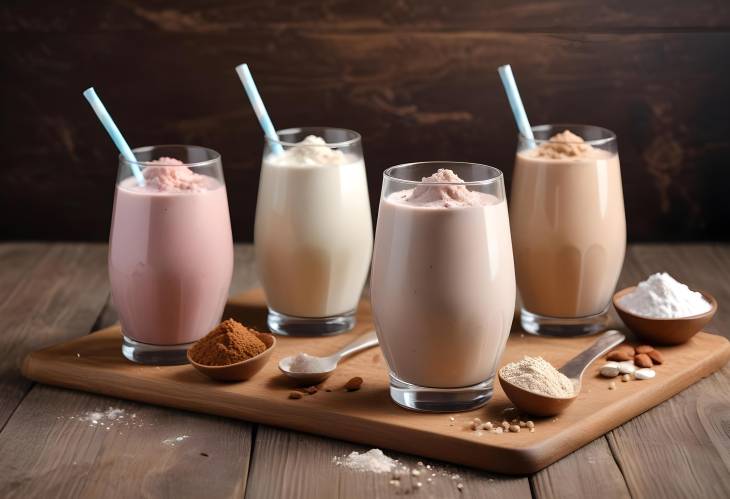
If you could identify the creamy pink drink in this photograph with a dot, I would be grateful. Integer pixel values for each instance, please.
(170, 258)
(443, 283)
(568, 228)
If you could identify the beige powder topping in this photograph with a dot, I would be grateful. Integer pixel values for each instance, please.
(562, 146)
(537, 375)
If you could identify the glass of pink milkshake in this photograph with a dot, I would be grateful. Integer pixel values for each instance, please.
(442, 283)
(170, 251)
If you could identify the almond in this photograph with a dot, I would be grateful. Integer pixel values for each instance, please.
(295, 395)
(354, 384)
(625, 347)
(311, 390)
(644, 349)
(618, 355)
(642, 360)
(655, 356)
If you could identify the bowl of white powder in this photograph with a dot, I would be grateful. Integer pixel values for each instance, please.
(664, 311)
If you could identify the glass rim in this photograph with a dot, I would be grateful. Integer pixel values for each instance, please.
(497, 178)
(611, 136)
(299, 129)
(208, 162)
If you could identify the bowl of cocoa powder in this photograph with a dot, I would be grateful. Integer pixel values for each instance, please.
(232, 352)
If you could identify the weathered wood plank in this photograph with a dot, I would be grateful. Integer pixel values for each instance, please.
(588, 472)
(47, 453)
(68, 458)
(680, 448)
(414, 95)
(56, 296)
(228, 16)
(295, 465)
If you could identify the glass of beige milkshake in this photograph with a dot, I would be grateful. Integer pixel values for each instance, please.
(568, 228)
(442, 282)
(313, 234)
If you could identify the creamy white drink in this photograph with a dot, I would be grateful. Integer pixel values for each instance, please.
(313, 235)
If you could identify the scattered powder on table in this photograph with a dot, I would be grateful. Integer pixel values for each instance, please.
(113, 417)
(661, 296)
(537, 375)
(373, 460)
(305, 363)
(406, 479)
(173, 441)
(228, 343)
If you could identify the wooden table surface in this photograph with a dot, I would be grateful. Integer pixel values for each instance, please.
(50, 292)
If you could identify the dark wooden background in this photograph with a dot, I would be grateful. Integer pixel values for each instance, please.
(416, 77)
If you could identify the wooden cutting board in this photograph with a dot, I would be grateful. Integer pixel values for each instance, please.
(94, 363)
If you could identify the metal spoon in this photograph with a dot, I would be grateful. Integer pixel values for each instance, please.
(364, 342)
(542, 405)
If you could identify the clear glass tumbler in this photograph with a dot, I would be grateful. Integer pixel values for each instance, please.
(170, 252)
(313, 234)
(568, 229)
(442, 284)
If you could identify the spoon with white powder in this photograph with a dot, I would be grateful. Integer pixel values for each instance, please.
(537, 388)
(309, 369)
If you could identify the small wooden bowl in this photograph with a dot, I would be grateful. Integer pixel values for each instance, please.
(240, 371)
(664, 331)
(535, 403)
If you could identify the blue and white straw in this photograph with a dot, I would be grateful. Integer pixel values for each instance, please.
(258, 106)
(510, 86)
(114, 132)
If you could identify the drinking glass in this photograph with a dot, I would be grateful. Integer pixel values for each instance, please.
(170, 256)
(313, 234)
(442, 287)
(568, 230)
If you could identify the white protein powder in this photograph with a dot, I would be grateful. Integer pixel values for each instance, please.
(305, 363)
(373, 460)
(663, 297)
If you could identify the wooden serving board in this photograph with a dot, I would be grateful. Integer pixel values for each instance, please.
(94, 363)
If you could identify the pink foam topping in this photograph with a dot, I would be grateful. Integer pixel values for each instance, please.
(170, 175)
(446, 192)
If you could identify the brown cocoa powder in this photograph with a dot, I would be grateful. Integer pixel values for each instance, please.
(228, 343)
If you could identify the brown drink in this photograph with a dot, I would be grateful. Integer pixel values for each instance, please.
(568, 228)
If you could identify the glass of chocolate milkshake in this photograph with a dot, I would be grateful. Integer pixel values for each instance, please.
(568, 228)
(442, 282)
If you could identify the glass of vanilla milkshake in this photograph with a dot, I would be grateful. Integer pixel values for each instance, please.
(442, 283)
(568, 228)
(313, 235)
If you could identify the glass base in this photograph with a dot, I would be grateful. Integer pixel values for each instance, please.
(288, 325)
(157, 355)
(563, 326)
(419, 398)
